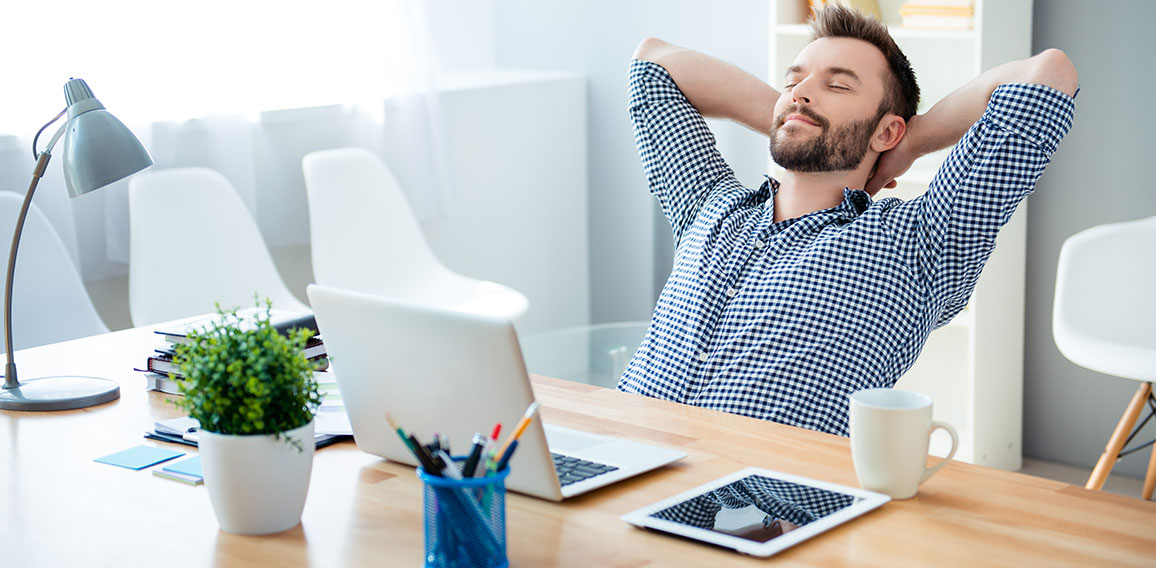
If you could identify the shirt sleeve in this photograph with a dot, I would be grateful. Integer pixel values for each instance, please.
(677, 148)
(951, 229)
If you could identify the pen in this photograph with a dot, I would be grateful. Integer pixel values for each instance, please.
(497, 430)
(418, 451)
(486, 458)
(428, 463)
(475, 454)
(521, 427)
(506, 456)
(447, 465)
(400, 433)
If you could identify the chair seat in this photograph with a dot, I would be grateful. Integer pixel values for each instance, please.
(1129, 361)
(452, 291)
(365, 237)
(489, 298)
(1104, 319)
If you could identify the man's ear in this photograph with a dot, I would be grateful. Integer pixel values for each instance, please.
(888, 133)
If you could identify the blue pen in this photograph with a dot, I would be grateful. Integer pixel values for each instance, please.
(506, 456)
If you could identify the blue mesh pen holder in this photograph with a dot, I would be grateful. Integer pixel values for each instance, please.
(465, 520)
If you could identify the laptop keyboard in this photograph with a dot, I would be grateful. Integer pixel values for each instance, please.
(572, 470)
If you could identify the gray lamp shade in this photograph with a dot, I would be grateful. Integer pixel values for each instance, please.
(98, 148)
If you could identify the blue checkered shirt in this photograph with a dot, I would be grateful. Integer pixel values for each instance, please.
(783, 321)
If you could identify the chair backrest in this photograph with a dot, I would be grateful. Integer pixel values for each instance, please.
(49, 300)
(193, 244)
(364, 234)
(1104, 316)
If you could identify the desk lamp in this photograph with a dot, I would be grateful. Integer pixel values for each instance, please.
(98, 150)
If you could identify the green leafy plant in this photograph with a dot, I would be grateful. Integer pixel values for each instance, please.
(243, 377)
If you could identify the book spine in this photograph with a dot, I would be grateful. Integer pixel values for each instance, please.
(161, 383)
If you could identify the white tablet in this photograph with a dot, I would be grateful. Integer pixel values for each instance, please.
(757, 511)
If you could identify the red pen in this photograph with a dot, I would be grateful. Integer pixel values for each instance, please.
(497, 430)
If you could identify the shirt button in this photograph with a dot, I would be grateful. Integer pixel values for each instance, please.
(702, 356)
(731, 292)
(760, 244)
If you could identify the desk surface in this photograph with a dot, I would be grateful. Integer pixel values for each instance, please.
(59, 508)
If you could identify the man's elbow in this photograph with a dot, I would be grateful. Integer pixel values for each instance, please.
(651, 49)
(1054, 69)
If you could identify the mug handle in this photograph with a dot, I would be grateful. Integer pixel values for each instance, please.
(928, 472)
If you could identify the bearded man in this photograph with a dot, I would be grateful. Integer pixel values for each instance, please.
(784, 300)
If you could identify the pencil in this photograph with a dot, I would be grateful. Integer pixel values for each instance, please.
(521, 427)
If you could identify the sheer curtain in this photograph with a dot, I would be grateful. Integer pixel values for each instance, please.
(243, 87)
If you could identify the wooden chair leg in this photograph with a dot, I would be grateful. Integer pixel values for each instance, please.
(1116, 442)
(1150, 477)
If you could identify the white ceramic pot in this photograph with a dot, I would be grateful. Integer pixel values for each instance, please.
(257, 483)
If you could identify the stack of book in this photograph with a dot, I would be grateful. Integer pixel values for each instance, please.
(938, 14)
(162, 374)
(331, 423)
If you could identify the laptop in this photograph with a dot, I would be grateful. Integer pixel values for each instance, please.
(454, 373)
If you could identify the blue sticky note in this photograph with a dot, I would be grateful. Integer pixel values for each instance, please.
(191, 466)
(139, 457)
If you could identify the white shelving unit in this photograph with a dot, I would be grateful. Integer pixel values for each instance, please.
(973, 367)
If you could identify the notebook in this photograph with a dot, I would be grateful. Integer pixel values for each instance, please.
(454, 373)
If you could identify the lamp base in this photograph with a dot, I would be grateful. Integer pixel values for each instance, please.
(59, 393)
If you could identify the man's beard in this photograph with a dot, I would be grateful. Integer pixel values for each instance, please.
(832, 150)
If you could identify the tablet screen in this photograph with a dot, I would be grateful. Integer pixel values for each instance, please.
(756, 508)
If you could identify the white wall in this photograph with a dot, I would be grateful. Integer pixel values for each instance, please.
(1101, 174)
(518, 150)
(630, 240)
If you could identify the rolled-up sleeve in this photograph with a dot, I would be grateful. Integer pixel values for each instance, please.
(950, 230)
(677, 147)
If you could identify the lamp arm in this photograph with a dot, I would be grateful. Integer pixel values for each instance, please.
(36, 138)
(10, 380)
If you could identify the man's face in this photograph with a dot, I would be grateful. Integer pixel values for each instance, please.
(829, 108)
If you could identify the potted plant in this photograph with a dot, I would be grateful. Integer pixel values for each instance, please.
(253, 392)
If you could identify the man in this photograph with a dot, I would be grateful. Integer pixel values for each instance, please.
(784, 300)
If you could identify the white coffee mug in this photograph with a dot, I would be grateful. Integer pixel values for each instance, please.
(890, 433)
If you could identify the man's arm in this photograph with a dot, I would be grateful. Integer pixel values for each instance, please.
(950, 118)
(716, 89)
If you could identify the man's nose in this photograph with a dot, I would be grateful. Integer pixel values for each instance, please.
(800, 92)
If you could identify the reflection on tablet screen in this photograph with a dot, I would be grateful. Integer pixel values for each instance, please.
(756, 508)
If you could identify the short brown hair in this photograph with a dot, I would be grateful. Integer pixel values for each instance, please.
(901, 96)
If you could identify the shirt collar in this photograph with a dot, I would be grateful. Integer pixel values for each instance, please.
(855, 201)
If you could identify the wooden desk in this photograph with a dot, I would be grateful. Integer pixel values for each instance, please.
(59, 508)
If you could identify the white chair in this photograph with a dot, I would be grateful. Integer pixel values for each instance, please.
(193, 244)
(49, 300)
(365, 237)
(1104, 319)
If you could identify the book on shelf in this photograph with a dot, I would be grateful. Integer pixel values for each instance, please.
(281, 320)
(942, 15)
